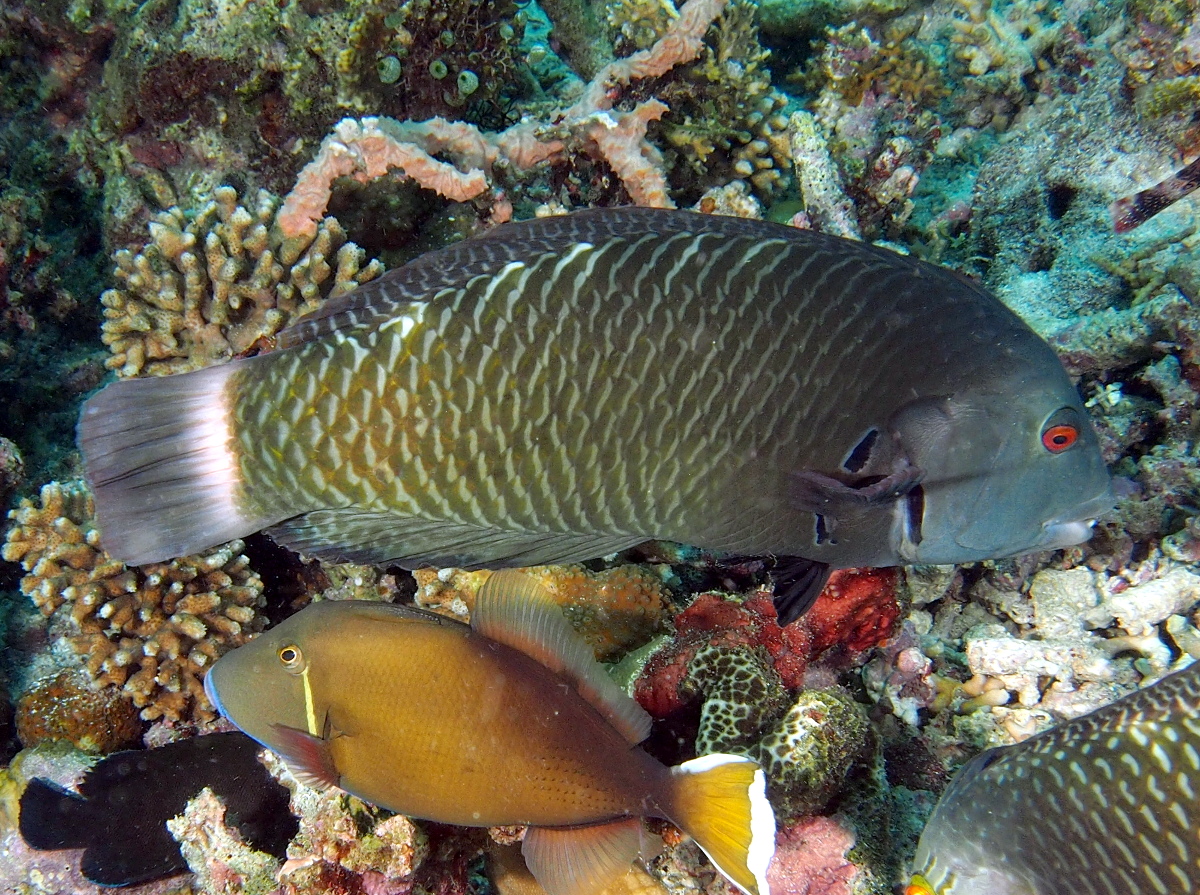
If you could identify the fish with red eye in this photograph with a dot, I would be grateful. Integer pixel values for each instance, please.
(1057, 439)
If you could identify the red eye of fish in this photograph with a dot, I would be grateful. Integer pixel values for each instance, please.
(1058, 438)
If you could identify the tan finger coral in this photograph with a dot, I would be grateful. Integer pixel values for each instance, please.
(209, 285)
(151, 630)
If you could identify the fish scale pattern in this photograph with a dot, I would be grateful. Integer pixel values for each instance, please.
(603, 388)
(1102, 805)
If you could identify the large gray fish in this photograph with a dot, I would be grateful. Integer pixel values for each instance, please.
(1105, 804)
(563, 388)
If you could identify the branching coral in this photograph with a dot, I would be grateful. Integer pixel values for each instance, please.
(152, 630)
(209, 285)
(592, 125)
(727, 119)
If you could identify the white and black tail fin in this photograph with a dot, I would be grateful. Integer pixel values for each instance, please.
(721, 802)
(160, 458)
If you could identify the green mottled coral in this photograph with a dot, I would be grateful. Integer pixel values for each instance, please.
(742, 695)
(808, 753)
(806, 744)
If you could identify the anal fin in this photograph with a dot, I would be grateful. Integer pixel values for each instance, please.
(582, 860)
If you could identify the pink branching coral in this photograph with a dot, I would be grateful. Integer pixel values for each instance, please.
(368, 148)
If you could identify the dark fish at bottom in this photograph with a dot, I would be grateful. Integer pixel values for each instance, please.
(1105, 804)
(119, 816)
(563, 388)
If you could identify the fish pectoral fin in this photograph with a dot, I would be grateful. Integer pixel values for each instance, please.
(307, 757)
(516, 610)
(582, 860)
(832, 498)
(798, 583)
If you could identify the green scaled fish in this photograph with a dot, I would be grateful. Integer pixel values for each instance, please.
(508, 721)
(560, 389)
(1105, 804)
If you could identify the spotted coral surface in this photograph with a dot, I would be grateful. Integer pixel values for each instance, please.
(152, 630)
(70, 707)
(806, 742)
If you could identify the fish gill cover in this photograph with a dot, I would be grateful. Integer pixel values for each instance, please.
(215, 191)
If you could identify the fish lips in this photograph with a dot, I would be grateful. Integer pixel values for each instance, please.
(1077, 528)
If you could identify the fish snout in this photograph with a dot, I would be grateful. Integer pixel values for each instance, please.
(1076, 527)
(210, 691)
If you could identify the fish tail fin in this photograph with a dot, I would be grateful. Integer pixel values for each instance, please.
(160, 456)
(51, 817)
(721, 802)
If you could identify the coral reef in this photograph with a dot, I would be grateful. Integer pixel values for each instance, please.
(993, 135)
(811, 859)
(72, 708)
(805, 743)
(858, 610)
(215, 852)
(615, 610)
(211, 285)
(151, 630)
(726, 119)
(12, 470)
(591, 125)
(345, 845)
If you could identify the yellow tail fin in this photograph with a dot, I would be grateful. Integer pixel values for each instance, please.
(721, 802)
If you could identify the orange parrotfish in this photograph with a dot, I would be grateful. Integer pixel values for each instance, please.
(564, 388)
(509, 720)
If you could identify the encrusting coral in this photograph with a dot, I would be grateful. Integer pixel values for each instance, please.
(70, 707)
(346, 845)
(224, 864)
(208, 286)
(152, 630)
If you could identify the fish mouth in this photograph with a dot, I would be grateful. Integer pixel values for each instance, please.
(1078, 527)
(1066, 534)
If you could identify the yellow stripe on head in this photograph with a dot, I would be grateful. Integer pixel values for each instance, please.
(918, 885)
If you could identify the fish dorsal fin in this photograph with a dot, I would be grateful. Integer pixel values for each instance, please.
(516, 610)
(487, 253)
(581, 860)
